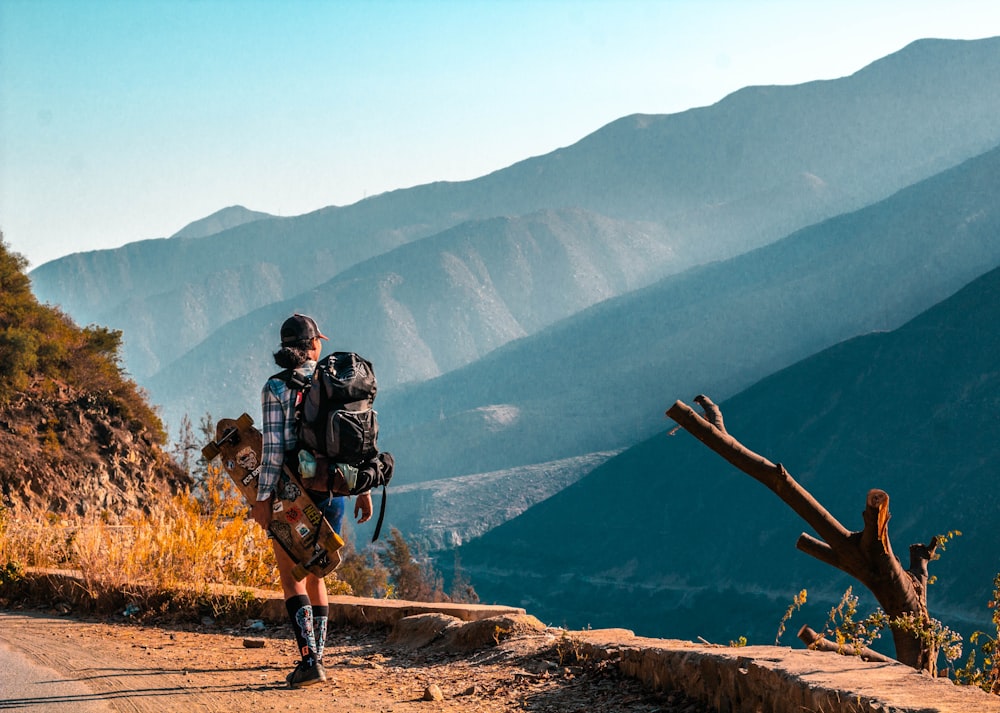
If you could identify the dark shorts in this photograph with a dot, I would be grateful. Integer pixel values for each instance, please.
(332, 507)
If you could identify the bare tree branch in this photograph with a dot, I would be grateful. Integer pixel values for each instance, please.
(712, 413)
(773, 476)
(866, 555)
(818, 549)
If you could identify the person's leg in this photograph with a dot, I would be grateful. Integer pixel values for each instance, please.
(301, 617)
(290, 586)
(316, 589)
(333, 508)
(300, 613)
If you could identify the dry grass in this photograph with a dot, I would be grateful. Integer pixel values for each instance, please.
(169, 558)
(194, 552)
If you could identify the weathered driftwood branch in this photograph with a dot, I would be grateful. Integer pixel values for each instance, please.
(818, 642)
(712, 414)
(866, 555)
(819, 549)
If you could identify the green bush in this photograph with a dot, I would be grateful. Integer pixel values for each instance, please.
(40, 345)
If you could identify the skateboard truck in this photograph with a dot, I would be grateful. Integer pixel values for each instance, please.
(210, 451)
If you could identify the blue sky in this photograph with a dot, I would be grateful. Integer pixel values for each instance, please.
(122, 120)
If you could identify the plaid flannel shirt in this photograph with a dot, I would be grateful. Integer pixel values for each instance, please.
(278, 429)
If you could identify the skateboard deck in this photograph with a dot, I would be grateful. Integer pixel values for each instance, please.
(297, 524)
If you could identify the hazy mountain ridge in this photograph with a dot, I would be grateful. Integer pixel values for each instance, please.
(910, 411)
(197, 308)
(721, 179)
(95, 286)
(436, 304)
(230, 217)
(603, 374)
(846, 136)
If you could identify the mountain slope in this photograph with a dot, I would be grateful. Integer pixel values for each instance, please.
(767, 160)
(721, 179)
(600, 380)
(433, 305)
(703, 549)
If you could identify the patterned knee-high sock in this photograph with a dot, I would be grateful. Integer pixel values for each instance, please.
(321, 614)
(301, 615)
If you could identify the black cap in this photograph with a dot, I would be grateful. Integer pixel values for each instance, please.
(299, 328)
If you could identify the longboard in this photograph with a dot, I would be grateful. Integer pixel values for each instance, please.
(297, 524)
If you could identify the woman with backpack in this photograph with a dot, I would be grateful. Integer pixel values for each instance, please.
(305, 600)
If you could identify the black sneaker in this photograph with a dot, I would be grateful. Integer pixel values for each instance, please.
(303, 675)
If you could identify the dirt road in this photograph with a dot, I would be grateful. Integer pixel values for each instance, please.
(139, 669)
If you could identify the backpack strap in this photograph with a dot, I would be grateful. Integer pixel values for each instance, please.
(381, 514)
(293, 380)
(297, 383)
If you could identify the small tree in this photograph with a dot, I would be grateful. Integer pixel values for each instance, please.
(412, 579)
(185, 449)
(461, 588)
(363, 572)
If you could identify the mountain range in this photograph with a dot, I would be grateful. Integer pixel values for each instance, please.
(540, 318)
(598, 380)
(428, 307)
(716, 181)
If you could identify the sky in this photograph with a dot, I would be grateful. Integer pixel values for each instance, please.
(122, 120)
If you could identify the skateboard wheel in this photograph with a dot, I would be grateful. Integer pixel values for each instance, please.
(244, 421)
(299, 572)
(210, 451)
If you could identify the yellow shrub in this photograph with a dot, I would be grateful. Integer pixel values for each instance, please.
(184, 544)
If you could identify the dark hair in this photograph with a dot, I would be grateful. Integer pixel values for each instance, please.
(294, 355)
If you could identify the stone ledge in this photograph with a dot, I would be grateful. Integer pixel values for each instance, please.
(343, 609)
(386, 612)
(776, 679)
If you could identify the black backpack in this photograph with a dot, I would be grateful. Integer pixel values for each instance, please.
(336, 421)
(336, 418)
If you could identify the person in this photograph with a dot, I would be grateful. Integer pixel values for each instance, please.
(305, 601)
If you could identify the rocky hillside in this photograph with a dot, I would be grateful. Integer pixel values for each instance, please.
(78, 436)
(74, 451)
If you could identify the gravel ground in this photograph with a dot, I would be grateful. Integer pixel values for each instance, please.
(204, 668)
